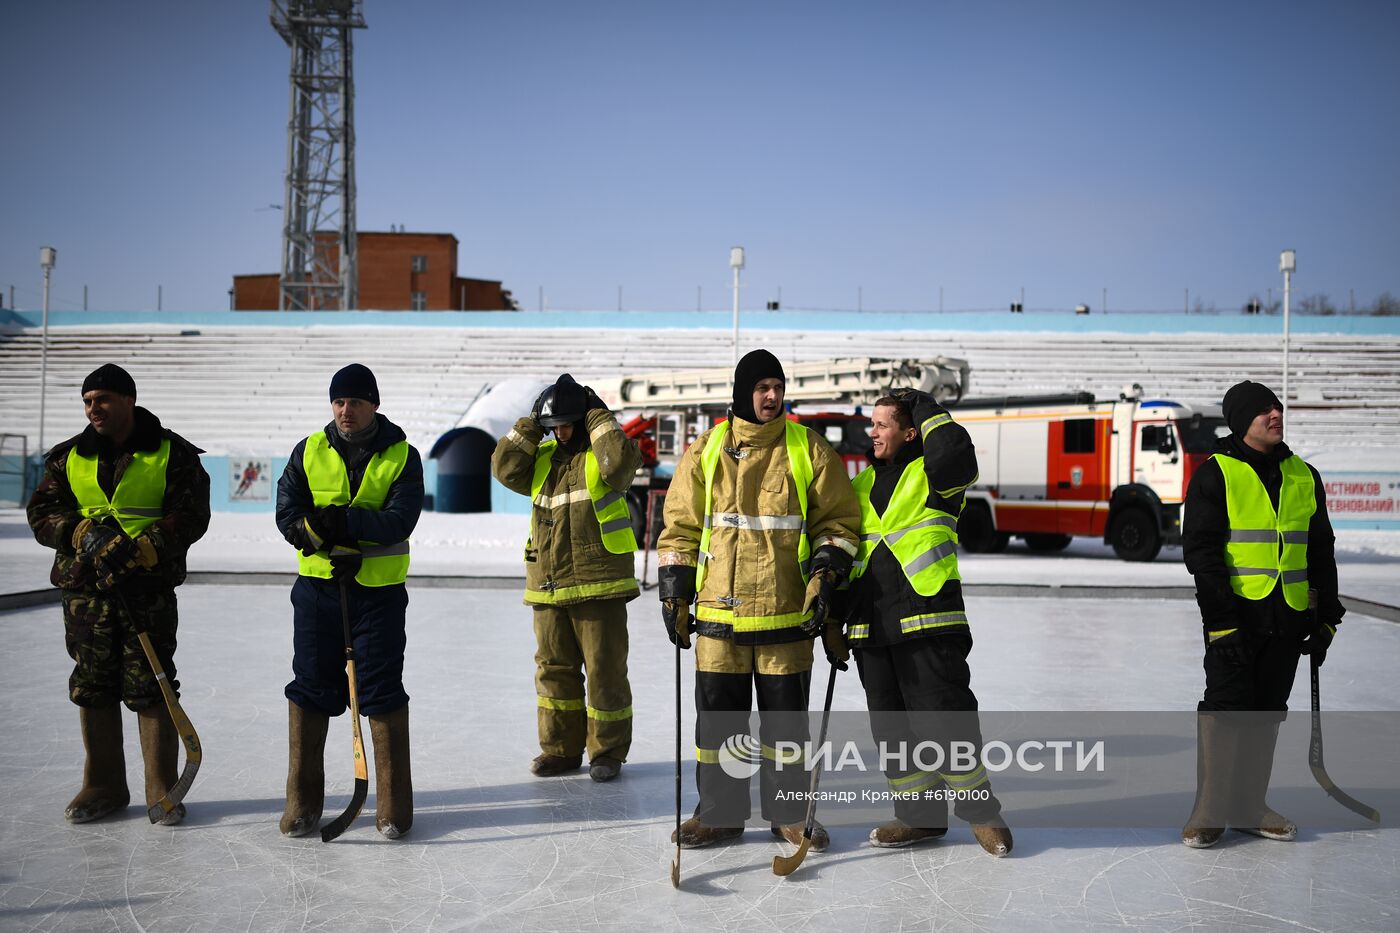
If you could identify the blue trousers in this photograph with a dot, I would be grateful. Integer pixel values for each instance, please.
(377, 617)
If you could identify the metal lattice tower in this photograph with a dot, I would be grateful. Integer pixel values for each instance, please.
(319, 254)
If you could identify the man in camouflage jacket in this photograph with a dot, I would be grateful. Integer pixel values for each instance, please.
(120, 504)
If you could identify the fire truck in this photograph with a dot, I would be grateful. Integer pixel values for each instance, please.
(666, 411)
(1058, 466)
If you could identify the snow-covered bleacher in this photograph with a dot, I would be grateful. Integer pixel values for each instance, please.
(257, 389)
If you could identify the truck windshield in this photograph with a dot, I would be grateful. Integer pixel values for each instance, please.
(1198, 434)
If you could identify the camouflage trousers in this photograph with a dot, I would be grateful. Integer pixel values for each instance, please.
(109, 664)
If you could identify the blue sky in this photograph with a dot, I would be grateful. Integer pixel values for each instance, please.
(863, 153)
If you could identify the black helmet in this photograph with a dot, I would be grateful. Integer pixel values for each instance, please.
(562, 403)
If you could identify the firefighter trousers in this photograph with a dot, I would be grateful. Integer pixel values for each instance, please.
(923, 713)
(726, 677)
(573, 642)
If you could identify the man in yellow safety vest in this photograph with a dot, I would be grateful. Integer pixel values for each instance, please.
(1256, 536)
(348, 499)
(761, 526)
(120, 503)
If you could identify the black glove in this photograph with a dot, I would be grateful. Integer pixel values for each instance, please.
(113, 555)
(345, 562)
(304, 538)
(329, 521)
(837, 651)
(830, 567)
(675, 584)
(1230, 648)
(592, 401)
(1317, 639)
(676, 615)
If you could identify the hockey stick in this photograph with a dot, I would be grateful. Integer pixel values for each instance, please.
(676, 863)
(194, 752)
(1319, 770)
(357, 800)
(786, 865)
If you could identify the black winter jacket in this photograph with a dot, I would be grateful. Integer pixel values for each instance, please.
(882, 595)
(1206, 528)
(392, 523)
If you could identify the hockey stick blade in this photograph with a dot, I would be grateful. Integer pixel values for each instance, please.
(785, 865)
(1319, 769)
(676, 872)
(340, 824)
(194, 752)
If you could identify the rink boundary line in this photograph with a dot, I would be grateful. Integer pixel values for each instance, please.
(1366, 607)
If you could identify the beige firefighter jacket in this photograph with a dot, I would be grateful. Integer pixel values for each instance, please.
(565, 560)
(753, 588)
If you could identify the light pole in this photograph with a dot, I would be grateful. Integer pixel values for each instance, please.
(47, 257)
(1287, 263)
(736, 262)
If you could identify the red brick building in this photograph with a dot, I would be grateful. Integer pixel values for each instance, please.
(398, 272)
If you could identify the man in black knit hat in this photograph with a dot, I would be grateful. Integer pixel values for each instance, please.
(347, 501)
(1257, 539)
(761, 526)
(120, 503)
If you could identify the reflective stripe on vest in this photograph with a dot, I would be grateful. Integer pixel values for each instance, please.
(609, 506)
(800, 469)
(382, 565)
(1265, 547)
(923, 540)
(139, 499)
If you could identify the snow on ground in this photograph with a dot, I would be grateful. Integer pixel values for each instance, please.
(495, 849)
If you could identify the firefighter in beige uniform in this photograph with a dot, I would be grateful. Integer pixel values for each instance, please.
(761, 524)
(579, 573)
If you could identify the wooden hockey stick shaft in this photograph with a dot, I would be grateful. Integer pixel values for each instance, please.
(357, 799)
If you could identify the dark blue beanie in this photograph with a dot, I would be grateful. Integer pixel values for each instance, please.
(355, 381)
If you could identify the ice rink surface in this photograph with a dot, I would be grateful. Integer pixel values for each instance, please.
(494, 848)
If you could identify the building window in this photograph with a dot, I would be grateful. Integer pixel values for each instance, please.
(419, 301)
(420, 263)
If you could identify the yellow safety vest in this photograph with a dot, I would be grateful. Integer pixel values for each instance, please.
(382, 565)
(1268, 547)
(922, 539)
(800, 469)
(139, 499)
(609, 506)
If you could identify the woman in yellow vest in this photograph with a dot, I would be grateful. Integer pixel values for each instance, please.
(1256, 537)
(908, 626)
(760, 526)
(579, 573)
(354, 488)
(120, 503)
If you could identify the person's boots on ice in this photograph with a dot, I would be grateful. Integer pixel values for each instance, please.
(393, 779)
(104, 789)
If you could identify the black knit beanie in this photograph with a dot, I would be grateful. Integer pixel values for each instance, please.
(355, 381)
(1244, 402)
(755, 366)
(111, 377)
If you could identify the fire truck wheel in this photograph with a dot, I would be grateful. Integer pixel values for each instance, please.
(1047, 542)
(976, 532)
(1135, 536)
